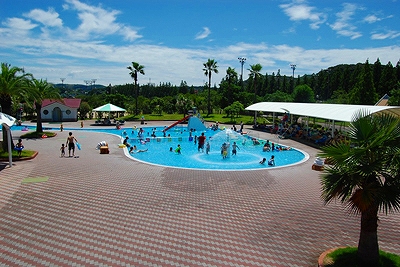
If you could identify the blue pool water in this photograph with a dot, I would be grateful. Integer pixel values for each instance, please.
(247, 158)
(158, 149)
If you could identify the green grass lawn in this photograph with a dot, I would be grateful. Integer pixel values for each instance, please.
(221, 118)
(212, 118)
(24, 153)
(33, 135)
(347, 257)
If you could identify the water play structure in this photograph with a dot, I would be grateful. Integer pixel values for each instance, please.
(194, 123)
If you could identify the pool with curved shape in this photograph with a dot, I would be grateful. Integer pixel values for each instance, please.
(158, 149)
(161, 150)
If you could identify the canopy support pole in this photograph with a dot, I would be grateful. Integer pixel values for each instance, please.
(9, 147)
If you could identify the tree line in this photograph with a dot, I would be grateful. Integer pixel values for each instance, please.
(358, 84)
(361, 83)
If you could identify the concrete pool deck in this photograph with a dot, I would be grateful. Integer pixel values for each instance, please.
(108, 210)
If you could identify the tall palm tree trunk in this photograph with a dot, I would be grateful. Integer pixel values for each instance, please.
(368, 248)
(137, 95)
(255, 99)
(209, 94)
(39, 126)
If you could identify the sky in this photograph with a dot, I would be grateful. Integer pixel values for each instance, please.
(87, 40)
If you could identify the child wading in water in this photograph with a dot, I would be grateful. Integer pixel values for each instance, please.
(234, 148)
(178, 149)
(271, 161)
(208, 148)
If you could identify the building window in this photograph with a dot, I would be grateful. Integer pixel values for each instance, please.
(68, 111)
(45, 112)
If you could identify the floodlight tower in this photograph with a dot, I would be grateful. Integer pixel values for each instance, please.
(94, 83)
(62, 82)
(293, 66)
(242, 60)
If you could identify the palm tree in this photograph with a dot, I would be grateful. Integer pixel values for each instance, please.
(14, 83)
(135, 69)
(42, 90)
(209, 67)
(255, 74)
(13, 86)
(365, 175)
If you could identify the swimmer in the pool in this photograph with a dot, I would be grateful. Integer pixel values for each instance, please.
(134, 149)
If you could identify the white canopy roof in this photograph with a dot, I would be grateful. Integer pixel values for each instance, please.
(7, 119)
(336, 112)
(109, 108)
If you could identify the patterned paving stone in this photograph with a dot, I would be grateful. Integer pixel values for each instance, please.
(107, 210)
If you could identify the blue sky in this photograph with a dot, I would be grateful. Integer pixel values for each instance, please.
(85, 39)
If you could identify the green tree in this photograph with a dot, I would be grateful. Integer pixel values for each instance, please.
(388, 80)
(279, 96)
(84, 109)
(363, 93)
(303, 94)
(42, 90)
(229, 87)
(377, 73)
(272, 83)
(339, 97)
(135, 69)
(394, 99)
(14, 85)
(157, 104)
(365, 176)
(209, 67)
(255, 75)
(183, 104)
(265, 86)
(183, 88)
(234, 110)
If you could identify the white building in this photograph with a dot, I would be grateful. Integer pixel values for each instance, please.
(60, 110)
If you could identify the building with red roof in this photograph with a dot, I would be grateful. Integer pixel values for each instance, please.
(60, 110)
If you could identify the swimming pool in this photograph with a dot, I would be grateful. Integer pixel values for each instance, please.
(158, 149)
(161, 150)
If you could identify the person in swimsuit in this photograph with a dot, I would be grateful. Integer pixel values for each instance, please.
(235, 147)
(19, 147)
(71, 144)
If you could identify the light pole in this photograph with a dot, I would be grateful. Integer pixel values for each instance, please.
(241, 60)
(293, 66)
(62, 82)
(94, 83)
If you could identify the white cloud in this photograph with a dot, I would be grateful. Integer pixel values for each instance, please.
(203, 34)
(375, 18)
(97, 21)
(80, 59)
(371, 19)
(129, 34)
(47, 18)
(343, 24)
(19, 24)
(386, 35)
(298, 10)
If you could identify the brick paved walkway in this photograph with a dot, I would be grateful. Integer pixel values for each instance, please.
(107, 210)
